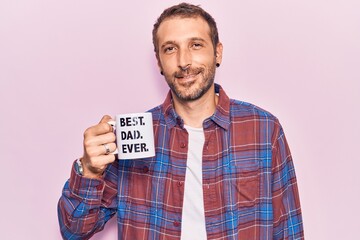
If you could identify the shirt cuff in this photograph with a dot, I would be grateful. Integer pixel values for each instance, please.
(87, 189)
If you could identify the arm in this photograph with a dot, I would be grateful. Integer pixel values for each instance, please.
(286, 203)
(87, 204)
(88, 201)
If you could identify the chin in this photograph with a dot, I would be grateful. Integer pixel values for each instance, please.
(190, 94)
(191, 90)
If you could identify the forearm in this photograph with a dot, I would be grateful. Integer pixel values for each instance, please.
(85, 206)
(286, 202)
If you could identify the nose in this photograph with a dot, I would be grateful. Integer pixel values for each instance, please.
(184, 59)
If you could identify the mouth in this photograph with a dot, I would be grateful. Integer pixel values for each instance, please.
(187, 75)
(186, 80)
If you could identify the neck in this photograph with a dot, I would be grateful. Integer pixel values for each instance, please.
(195, 112)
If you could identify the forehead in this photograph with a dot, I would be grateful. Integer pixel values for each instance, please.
(179, 29)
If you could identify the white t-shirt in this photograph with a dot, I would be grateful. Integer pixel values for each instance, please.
(193, 214)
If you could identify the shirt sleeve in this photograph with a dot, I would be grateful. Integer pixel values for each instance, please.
(87, 204)
(285, 196)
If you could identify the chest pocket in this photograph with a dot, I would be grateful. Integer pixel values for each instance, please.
(140, 187)
(246, 181)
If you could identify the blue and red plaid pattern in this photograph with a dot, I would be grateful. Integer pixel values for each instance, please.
(249, 183)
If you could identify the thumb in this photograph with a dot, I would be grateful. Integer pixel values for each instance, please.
(105, 119)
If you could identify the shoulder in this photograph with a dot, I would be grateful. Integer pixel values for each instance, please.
(241, 109)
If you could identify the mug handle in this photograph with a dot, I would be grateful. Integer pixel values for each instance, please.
(113, 124)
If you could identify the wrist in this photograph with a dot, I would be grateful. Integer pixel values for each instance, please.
(83, 170)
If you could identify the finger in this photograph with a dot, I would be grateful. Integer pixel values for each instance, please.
(98, 140)
(106, 159)
(101, 161)
(98, 129)
(99, 150)
(108, 148)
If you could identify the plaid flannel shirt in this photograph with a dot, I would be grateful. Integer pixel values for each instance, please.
(249, 183)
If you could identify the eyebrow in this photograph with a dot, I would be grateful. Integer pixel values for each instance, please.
(167, 43)
(174, 42)
(197, 39)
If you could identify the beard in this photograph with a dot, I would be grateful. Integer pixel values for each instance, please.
(194, 90)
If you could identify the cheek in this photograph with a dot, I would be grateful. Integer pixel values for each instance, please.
(167, 64)
(206, 59)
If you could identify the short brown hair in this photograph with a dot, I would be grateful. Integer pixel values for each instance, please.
(186, 10)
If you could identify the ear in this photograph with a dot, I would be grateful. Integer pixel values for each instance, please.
(219, 52)
(158, 63)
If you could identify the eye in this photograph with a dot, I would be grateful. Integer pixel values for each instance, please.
(169, 49)
(197, 45)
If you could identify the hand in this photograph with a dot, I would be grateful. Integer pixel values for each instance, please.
(95, 159)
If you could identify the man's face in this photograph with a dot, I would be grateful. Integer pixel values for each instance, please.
(186, 56)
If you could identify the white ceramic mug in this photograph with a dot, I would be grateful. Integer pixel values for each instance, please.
(134, 135)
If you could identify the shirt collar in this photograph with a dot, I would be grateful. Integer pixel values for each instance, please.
(221, 116)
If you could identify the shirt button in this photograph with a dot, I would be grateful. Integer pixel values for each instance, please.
(182, 145)
(176, 224)
(146, 169)
(180, 183)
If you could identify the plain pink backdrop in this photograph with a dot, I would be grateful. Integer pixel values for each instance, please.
(64, 64)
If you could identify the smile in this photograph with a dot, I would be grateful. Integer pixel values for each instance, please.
(187, 76)
(187, 79)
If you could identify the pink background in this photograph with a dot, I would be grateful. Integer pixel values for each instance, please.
(64, 64)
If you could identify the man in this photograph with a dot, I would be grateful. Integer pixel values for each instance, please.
(222, 169)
